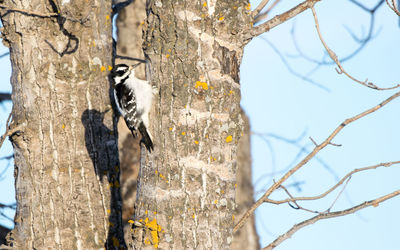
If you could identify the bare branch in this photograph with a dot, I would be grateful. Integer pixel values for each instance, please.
(336, 60)
(260, 17)
(5, 97)
(362, 41)
(7, 133)
(309, 157)
(393, 7)
(29, 12)
(347, 176)
(322, 216)
(43, 15)
(261, 6)
(276, 20)
(337, 196)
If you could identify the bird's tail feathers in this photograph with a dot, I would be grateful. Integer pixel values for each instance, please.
(146, 140)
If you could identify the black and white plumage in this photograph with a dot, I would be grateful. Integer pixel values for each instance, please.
(133, 98)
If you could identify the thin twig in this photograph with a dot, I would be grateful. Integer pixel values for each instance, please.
(314, 219)
(295, 202)
(3, 137)
(393, 7)
(259, 8)
(29, 12)
(336, 60)
(276, 20)
(337, 196)
(308, 158)
(314, 142)
(347, 176)
(260, 17)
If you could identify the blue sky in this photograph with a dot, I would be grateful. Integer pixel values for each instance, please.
(282, 105)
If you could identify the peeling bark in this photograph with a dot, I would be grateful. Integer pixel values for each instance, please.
(66, 156)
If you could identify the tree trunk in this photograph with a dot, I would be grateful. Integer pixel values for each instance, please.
(246, 237)
(129, 30)
(186, 188)
(65, 147)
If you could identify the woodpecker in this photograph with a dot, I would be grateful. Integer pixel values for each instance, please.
(133, 98)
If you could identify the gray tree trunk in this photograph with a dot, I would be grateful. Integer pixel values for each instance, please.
(66, 156)
(186, 192)
(246, 237)
(129, 24)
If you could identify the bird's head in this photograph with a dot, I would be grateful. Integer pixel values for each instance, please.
(121, 72)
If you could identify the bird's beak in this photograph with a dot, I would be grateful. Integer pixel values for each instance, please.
(134, 66)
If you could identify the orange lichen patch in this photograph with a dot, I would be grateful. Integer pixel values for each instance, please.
(167, 55)
(131, 221)
(216, 202)
(142, 22)
(109, 67)
(146, 212)
(183, 133)
(107, 17)
(231, 92)
(196, 142)
(193, 216)
(154, 229)
(108, 211)
(102, 68)
(115, 241)
(228, 139)
(63, 126)
(248, 7)
(205, 4)
(233, 217)
(221, 18)
(156, 172)
(204, 85)
(170, 129)
(235, 185)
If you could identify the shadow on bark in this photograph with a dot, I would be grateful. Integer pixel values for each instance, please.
(101, 146)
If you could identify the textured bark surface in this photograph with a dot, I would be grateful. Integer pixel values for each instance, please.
(246, 237)
(66, 156)
(130, 22)
(187, 185)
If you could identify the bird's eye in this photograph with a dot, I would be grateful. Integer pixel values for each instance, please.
(120, 72)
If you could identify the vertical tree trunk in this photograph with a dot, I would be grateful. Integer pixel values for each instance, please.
(187, 185)
(246, 237)
(66, 156)
(129, 30)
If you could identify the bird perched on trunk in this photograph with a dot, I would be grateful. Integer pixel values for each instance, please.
(133, 98)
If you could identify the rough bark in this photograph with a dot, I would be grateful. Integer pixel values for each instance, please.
(129, 30)
(187, 185)
(66, 156)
